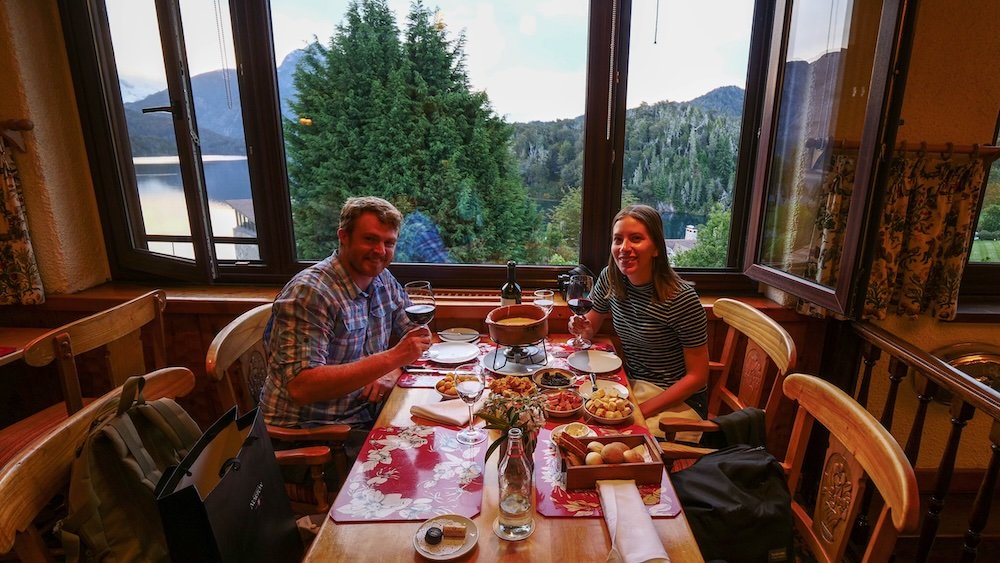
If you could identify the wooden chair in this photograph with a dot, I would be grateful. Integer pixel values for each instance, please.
(860, 452)
(118, 331)
(236, 361)
(769, 354)
(42, 471)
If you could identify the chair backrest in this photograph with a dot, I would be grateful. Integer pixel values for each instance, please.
(240, 341)
(860, 452)
(769, 354)
(118, 330)
(39, 472)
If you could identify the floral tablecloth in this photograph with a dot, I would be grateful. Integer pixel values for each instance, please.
(412, 473)
(553, 499)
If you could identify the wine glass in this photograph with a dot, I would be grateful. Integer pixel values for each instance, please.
(578, 298)
(544, 299)
(470, 388)
(421, 308)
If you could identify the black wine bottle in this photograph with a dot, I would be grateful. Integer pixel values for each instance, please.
(510, 292)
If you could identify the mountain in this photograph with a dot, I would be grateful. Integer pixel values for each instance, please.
(727, 100)
(135, 88)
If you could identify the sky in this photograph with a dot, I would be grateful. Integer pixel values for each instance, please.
(529, 55)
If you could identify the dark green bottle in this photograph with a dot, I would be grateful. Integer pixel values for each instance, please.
(510, 292)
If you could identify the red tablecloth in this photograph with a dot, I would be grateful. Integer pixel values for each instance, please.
(412, 473)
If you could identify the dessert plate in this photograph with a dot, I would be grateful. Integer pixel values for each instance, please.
(459, 335)
(449, 548)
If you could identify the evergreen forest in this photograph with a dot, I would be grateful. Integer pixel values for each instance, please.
(393, 115)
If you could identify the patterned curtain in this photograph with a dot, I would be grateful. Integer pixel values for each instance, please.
(20, 282)
(827, 245)
(924, 235)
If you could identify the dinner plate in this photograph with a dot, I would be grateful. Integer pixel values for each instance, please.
(452, 352)
(585, 389)
(449, 548)
(594, 361)
(459, 334)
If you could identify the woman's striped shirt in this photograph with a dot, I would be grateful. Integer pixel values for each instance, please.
(653, 334)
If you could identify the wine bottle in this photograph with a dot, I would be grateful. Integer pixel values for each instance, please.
(510, 292)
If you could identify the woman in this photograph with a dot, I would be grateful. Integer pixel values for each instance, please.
(658, 317)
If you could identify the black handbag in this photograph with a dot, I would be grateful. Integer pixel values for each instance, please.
(226, 501)
(738, 505)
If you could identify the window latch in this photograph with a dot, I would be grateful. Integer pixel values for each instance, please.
(168, 109)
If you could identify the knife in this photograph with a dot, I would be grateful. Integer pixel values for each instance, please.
(440, 371)
(593, 382)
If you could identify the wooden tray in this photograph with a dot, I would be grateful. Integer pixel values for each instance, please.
(645, 473)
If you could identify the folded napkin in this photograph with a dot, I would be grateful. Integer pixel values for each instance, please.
(452, 411)
(644, 390)
(633, 537)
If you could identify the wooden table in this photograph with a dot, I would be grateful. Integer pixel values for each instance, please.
(16, 338)
(554, 539)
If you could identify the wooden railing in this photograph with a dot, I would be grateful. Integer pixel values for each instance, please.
(968, 396)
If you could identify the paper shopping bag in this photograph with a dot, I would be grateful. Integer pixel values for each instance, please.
(226, 501)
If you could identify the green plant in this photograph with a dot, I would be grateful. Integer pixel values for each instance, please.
(505, 411)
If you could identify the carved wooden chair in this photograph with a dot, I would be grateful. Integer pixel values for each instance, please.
(118, 331)
(40, 472)
(769, 354)
(236, 361)
(860, 453)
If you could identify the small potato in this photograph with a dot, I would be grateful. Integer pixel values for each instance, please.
(594, 458)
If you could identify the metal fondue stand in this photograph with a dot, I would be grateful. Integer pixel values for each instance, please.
(520, 349)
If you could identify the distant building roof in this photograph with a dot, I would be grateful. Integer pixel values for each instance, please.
(677, 245)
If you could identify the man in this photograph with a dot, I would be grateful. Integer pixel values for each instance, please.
(328, 339)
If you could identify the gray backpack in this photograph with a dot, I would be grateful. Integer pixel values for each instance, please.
(113, 515)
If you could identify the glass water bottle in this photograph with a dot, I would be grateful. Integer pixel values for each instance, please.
(517, 495)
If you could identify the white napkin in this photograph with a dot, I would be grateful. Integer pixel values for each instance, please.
(644, 390)
(452, 411)
(633, 537)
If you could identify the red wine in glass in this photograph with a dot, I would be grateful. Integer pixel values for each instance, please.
(580, 306)
(421, 314)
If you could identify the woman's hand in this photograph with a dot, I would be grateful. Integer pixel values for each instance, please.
(581, 326)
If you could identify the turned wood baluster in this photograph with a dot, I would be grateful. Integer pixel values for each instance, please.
(926, 389)
(869, 355)
(897, 372)
(984, 499)
(961, 412)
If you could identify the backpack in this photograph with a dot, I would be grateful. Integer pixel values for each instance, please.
(113, 515)
(737, 503)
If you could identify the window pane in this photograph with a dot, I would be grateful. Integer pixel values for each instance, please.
(827, 73)
(208, 38)
(142, 82)
(468, 118)
(986, 246)
(685, 108)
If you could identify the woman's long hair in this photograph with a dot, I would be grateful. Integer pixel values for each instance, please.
(665, 280)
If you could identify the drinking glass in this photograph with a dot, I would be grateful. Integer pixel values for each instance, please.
(421, 307)
(544, 299)
(578, 298)
(470, 388)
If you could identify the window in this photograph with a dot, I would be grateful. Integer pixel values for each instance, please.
(225, 135)
(983, 269)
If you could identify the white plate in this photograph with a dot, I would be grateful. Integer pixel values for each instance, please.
(594, 361)
(585, 388)
(452, 352)
(589, 433)
(449, 548)
(459, 334)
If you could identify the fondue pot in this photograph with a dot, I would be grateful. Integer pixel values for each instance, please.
(517, 335)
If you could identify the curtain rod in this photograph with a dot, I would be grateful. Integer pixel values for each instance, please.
(989, 152)
(10, 129)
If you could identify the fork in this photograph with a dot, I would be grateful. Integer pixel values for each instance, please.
(593, 382)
